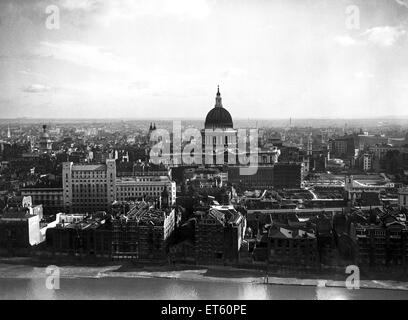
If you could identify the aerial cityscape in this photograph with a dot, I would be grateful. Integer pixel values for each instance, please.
(150, 165)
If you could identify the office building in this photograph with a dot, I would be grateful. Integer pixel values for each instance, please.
(89, 187)
(138, 187)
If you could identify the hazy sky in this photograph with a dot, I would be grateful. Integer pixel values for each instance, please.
(150, 58)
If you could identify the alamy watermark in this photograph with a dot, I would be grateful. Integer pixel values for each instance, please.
(207, 146)
(52, 281)
(352, 17)
(353, 280)
(52, 22)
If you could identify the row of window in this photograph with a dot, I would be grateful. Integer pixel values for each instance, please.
(88, 181)
(139, 189)
(90, 174)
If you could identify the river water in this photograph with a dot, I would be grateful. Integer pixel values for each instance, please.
(24, 282)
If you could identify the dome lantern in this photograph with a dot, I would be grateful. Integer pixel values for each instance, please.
(218, 117)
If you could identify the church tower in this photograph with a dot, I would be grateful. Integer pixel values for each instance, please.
(309, 150)
(164, 199)
(45, 143)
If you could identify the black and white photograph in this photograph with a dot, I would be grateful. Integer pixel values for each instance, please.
(186, 151)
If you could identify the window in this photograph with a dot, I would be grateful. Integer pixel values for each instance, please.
(218, 255)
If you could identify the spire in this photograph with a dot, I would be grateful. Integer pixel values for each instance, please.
(218, 100)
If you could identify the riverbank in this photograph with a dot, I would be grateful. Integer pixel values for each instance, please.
(72, 268)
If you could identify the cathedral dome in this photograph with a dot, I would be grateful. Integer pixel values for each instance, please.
(218, 117)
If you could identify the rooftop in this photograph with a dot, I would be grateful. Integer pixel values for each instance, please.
(86, 224)
(291, 233)
(225, 214)
(16, 213)
(145, 213)
(89, 167)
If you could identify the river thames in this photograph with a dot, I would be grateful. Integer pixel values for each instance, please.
(25, 282)
(157, 289)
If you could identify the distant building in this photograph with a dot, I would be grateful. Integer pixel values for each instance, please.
(397, 142)
(343, 148)
(267, 156)
(365, 192)
(19, 228)
(381, 244)
(289, 154)
(219, 137)
(367, 162)
(133, 188)
(205, 177)
(380, 150)
(94, 187)
(89, 188)
(287, 175)
(368, 140)
(126, 169)
(143, 232)
(403, 197)
(315, 160)
(292, 245)
(22, 227)
(263, 178)
(80, 235)
(279, 175)
(45, 143)
(219, 233)
(51, 198)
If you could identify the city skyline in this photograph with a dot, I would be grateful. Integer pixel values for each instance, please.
(147, 59)
(203, 150)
